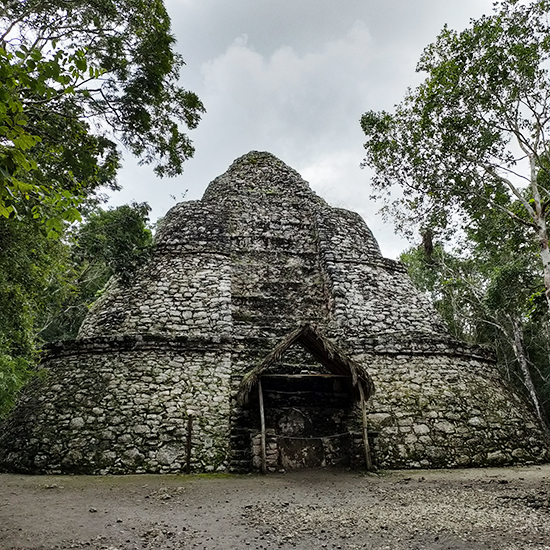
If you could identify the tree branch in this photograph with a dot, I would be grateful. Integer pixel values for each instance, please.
(491, 170)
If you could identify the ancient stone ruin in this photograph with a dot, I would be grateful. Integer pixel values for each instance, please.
(266, 332)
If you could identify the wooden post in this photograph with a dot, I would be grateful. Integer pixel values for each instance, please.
(189, 434)
(368, 458)
(262, 421)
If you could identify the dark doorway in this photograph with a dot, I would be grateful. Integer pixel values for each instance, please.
(299, 407)
(307, 417)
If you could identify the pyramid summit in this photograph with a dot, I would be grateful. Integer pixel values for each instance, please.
(267, 331)
(258, 172)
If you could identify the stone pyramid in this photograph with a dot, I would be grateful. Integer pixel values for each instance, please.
(151, 383)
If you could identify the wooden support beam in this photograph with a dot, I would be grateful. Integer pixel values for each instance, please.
(368, 458)
(189, 436)
(262, 422)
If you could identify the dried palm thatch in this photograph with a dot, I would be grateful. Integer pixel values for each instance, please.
(322, 349)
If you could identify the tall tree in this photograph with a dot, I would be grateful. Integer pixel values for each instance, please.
(31, 266)
(47, 285)
(74, 78)
(473, 137)
(116, 241)
(77, 78)
(489, 290)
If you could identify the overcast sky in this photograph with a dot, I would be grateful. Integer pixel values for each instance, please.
(293, 77)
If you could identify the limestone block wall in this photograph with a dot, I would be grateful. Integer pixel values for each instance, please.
(277, 282)
(230, 275)
(177, 295)
(261, 173)
(370, 295)
(184, 290)
(195, 226)
(345, 236)
(448, 410)
(122, 407)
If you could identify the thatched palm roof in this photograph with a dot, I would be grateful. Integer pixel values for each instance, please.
(322, 349)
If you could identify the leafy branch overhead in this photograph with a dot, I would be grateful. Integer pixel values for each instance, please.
(75, 77)
(473, 137)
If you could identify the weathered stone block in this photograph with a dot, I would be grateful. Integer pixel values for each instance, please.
(421, 429)
(445, 427)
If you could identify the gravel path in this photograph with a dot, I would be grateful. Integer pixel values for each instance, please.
(504, 509)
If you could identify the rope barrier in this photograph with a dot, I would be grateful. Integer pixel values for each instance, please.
(317, 437)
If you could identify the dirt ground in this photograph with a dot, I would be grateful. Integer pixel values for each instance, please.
(500, 509)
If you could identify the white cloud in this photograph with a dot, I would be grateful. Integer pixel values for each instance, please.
(293, 78)
(287, 97)
(305, 108)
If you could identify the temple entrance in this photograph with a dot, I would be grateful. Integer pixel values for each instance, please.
(308, 409)
(309, 419)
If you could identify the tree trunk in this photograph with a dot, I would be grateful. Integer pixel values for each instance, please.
(542, 230)
(545, 256)
(519, 350)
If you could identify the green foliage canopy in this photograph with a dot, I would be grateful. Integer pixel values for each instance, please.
(77, 78)
(47, 285)
(74, 77)
(109, 242)
(473, 136)
(31, 267)
(490, 292)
